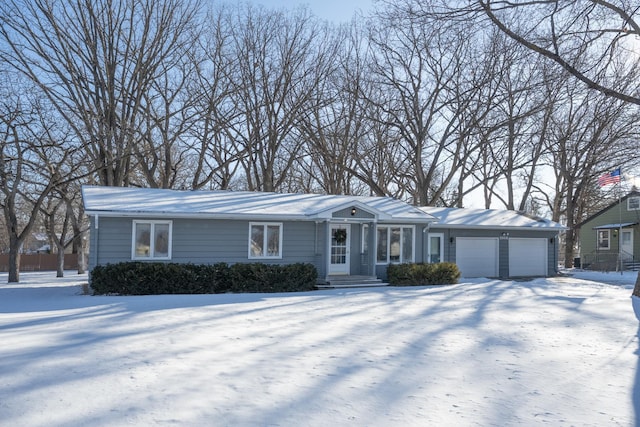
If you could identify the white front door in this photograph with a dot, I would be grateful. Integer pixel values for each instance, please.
(340, 236)
(626, 244)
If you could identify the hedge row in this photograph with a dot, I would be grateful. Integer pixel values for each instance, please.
(152, 278)
(442, 273)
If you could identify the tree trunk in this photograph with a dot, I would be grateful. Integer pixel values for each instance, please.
(636, 288)
(14, 261)
(568, 248)
(82, 262)
(60, 260)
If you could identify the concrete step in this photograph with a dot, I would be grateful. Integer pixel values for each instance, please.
(334, 282)
(632, 266)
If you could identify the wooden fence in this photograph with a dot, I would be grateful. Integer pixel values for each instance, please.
(40, 262)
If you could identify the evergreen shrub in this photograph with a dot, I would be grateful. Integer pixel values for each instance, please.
(419, 274)
(153, 278)
(259, 277)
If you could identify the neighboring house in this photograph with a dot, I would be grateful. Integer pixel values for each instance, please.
(611, 237)
(36, 242)
(343, 236)
(494, 243)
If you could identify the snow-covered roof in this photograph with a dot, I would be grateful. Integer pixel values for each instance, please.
(128, 201)
(614, 225)
(488, 219)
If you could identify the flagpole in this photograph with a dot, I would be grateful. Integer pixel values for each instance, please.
(620, 221)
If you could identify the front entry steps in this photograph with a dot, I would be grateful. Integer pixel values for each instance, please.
(335, 282)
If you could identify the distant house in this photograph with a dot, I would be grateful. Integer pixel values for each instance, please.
(347, 238)
(494, 243)
(610, 238)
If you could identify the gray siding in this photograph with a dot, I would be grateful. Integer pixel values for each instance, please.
(503, 258)
(552, 259)
(113, 238)
(346, 213)
(203, 241)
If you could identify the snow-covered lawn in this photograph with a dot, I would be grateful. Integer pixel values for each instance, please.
(558, 351)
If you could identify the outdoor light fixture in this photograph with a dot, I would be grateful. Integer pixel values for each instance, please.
(353, 211)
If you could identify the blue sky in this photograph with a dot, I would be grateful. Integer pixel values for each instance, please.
(332, 10)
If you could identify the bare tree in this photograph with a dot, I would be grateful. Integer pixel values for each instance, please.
(282, 60)
(427, 88)
(213, 152)
(95, 61)
(57, 218)
(514, 130)
(333, 122)
(593, 40)
(33, 152)
(160, 150)
(588, 135)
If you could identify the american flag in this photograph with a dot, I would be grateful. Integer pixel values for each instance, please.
(609, 178)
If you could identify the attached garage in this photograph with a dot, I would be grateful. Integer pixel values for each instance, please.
(496, 243)
(528, 257)
(477, 256)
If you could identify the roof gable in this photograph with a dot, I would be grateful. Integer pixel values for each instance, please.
(128, 201)
(611, 206)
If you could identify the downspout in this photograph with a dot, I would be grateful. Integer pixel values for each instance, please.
(327, 251)
(425, 241)
(96, 227)
(94, 238)
(373, 235)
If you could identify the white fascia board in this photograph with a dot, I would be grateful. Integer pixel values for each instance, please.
(327, 213)
(409, 221)
(495, 227)
(261, 217)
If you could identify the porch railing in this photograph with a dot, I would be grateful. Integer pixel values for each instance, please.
(609, 261)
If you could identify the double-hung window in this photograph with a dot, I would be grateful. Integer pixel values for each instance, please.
(633, 203)
(151, 240)
(265, 240)
(394, 244)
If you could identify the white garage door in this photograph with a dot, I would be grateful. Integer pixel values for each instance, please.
(477, 256)
(527, 257)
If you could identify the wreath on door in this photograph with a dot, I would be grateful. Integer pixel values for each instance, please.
(340, 235)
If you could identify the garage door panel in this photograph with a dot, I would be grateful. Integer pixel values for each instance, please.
(477, 256)
(528, 257)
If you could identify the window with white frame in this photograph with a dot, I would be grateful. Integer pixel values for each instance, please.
(151, 240)
(436, 247)
(394, 244)
(265, 240)
(604, 237)
(633, 203)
